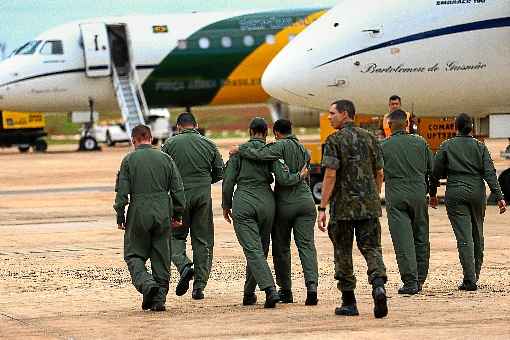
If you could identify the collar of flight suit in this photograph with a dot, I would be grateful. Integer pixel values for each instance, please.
(290, 137)
(252, 139)
(399, 132)
(144, 146)
(189, 130)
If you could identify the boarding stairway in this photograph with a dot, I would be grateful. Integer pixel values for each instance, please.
(130, 97)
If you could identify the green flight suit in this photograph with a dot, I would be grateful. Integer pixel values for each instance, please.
(466, 163)
(408, 163)
(149, 182)
(200, 165)
(253, 210)
(295, 211)
(355, 205)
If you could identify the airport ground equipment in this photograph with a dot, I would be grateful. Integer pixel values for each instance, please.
(24, 130)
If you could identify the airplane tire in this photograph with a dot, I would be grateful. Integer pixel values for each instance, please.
(316, 188)
(504, 182)
(40, 145)
(88, 144)
(23, 148)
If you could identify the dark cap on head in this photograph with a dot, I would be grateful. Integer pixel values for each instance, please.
(258, 125)
(186, 119)
(464, 124)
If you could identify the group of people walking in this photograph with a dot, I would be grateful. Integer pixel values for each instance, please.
(169, 197)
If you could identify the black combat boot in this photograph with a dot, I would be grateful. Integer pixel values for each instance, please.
(468, 286)
(149, 297)
(249, 299)
(272, 297)
(286, 296)
(158, 307)
(186, 276)
(409, 288)
(197, 294)
(348, 307)
(311, 294)
(380, 301)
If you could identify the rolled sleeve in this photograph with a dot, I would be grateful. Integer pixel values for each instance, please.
(330, 158)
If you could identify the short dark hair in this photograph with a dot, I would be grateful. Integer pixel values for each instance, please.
(464, 124)
(141, 132)
(397, 116)
(283, 126)
(395, 97)
(186, 118)
(258, 125)
(345, 105)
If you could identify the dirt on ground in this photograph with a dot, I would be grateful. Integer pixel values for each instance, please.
(62, 274)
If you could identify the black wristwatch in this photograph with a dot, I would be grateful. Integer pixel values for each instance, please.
(321, 209)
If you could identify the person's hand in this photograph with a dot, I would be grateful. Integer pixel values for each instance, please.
(176, 223)
(304, 172)
(121, 222)
(227, 215)
(234, 150)
(321, 221)
(433, 202)
(502, 206)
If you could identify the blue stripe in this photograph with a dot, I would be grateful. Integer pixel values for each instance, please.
(473, 26)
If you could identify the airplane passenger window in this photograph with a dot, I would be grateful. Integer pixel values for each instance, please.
(270, 39)
(182, 44)
(226, 42)
(291, 36)
(52, 47)
(248, 40)
(204, 43)
(28, 48)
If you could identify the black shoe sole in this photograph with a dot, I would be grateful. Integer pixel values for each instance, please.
(380, 305)
(339, 311)
(158, 308)
(183, 285)
(311, 299)
(147, 299)
(271, 303)
(197, 297)
(249, 300)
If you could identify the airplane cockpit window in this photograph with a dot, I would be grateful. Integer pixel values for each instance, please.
(52, 47)
(29, 48)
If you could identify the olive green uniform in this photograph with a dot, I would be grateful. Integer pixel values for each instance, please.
(295, 211)
(253, 210)
(355, 206)
(200, 164)
(149, 181)
(408, 163)
(466, 163)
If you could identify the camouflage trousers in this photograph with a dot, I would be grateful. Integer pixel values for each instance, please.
(368, 239)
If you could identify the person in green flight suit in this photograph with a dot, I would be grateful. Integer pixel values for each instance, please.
(252, 210)
(408, 163)
(149, 181)
(466, 163)
(200, 165)
(295, 211)
(352, 181)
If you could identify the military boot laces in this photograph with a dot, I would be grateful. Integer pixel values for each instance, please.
(272, 297)
(349, 306)
(249, 299)
(286, 296)
(311, 294)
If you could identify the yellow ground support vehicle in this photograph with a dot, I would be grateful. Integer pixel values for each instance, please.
(24, 130)
(434, 130)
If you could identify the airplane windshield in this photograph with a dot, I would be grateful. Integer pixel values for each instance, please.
(28, 48)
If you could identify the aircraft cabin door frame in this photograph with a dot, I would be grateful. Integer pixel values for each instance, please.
(96, 50)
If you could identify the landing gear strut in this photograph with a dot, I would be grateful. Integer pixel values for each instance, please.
(87, 140)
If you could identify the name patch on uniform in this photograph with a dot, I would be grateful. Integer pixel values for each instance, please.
(160, 29)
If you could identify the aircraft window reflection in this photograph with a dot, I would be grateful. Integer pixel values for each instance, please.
(182, 44)
(204, 43)
(226, 42)
(248, 40)
(52, 47)
(270, 39)
(28, 48)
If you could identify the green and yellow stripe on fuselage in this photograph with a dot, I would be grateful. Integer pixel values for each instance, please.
(219, 75)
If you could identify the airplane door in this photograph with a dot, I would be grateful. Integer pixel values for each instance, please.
(96, 49)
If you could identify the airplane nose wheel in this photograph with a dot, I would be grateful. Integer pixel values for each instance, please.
(88, 144)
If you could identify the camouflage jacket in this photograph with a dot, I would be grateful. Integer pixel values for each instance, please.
(356, 156)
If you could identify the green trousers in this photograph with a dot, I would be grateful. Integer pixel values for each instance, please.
(253, 214)
(146, 237)
(197, 221)
(466, 211)
(298, 218)
(368, 238)
(408, 220)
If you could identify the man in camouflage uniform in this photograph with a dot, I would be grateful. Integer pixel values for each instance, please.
(150, 183)
(200, 165)
(407, 169)
(295, 212)
(253, 210)
(353, 179)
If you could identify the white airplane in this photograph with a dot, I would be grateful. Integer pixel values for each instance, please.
(441, 57)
